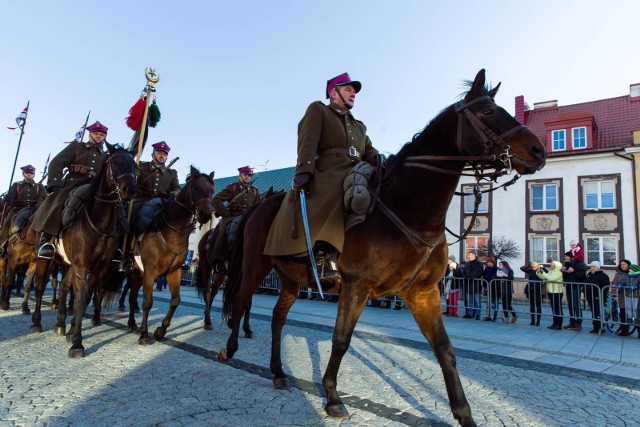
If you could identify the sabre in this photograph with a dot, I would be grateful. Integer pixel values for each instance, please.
(307, 235)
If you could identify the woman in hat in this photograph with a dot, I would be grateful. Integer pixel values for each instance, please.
(555, 290)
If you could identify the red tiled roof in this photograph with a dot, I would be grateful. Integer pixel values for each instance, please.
(615, 119)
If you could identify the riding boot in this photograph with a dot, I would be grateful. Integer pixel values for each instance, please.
(46, 249)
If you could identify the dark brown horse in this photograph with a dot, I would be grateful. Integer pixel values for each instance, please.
(401, 248)
(202, 277)
(90, 244)
(20, 253)
(164, 250)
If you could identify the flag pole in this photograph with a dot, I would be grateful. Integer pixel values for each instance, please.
(152, 79)
(15, 160)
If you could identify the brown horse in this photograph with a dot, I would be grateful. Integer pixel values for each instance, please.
(19, 254)
(90, 244)
(202, 277)
(401, 248)
(164, 250)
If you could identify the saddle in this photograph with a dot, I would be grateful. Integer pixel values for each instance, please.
(228, 233)
(75, 204)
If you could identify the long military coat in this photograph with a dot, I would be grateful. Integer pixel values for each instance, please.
(239, 198)
(22, 194)
(83, 162)
(322, 128)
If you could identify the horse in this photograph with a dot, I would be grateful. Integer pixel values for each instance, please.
(19, 254)
(89, 244)
(202, 277)
(401, 248)
(164, 250)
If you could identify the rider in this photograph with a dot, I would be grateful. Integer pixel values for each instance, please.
(330, 142)
(83, 162)
(26, 195)
(239, 196)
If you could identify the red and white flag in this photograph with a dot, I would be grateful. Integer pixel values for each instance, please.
(21, 120)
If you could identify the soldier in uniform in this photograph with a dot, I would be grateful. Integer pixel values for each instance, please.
(83, 161)
(26, 194)
(330, 142)
(239, 196)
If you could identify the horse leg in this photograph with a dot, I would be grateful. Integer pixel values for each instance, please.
(210, 292)
(350, 305)
(147, 304)
(31, 277)
(134, 280)
(288, 292)
(97, 307)
(425, 308)
(173, 282)
(248, 333)
(54, 286)
(79, 308)
(61, 324)
(6, 287)
(41, 283)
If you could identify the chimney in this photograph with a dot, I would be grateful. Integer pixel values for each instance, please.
(520, 109)
(634, 90)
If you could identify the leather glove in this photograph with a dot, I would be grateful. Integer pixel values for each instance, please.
(302, 181)
(53, 188)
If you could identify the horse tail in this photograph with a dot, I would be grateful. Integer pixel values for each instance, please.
(112, 288)
(234, 269)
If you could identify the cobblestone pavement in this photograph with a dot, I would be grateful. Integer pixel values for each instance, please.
(385, 381)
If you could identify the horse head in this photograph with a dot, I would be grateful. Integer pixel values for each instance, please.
(501, 142)
(196, 194)
(120, 172)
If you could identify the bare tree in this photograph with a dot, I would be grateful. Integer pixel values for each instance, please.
(500, 247)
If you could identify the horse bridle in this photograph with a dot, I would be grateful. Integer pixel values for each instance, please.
(192, 205)
(489, 140)
(113, 182)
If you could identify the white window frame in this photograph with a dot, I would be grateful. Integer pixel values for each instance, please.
(470, 201)
(599, 254)
(545, 188)
(553, 139)
(546, 252)
(583, 139)
(599, 193)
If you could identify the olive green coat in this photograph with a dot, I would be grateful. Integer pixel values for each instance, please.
(239, 198)
(21, 195)
(76, 155)
(322, 127)
(153, 181)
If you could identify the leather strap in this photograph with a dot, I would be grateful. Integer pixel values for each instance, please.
(337, 151)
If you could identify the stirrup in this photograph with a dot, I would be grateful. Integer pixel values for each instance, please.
(118, 257)
(330, 274)
(46, 251)
(126, 265)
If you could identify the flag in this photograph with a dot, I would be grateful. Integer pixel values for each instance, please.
(21, 119)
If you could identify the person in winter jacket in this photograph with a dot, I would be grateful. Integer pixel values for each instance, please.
(489, 274)
(535, 288)
(554, 290)
(505, 273)
(596, 282)
(472, 274)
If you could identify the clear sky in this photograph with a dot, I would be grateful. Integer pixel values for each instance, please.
(237, 76)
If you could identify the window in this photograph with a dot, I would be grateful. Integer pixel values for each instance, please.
(603, 249)
(579, 137)
(599, 195)
(543, 247)
(558, 140)
(470, 201)
(475, 243)
(544, 197)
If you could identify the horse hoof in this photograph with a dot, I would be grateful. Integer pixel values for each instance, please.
(281, 383)
(208, 327)
(26, 311)
(248, 334)
(35, 329)
(76, 353)
(336, 410)
(60, 330)
(145, 341)
(159, 334)
(133, 330)
(4, 307)
(54, 306)
(222, 356)
(95, 322)
(121, 308)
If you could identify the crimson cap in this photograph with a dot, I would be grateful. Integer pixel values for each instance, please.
(341, 80)
(28, 169)
(161, 146)
(97, 127)
(245, 169)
